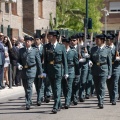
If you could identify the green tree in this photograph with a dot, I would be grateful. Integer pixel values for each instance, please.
(71, 14)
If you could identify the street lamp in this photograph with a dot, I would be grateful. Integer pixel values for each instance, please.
(106, 14)
(86, 23)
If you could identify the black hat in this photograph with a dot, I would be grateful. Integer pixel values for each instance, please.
(73, 37)
(37, 36)
(110, 36)
(81, 35)
(54, 33)
(28, 38)
(101, 36)
(43, 35)
(64, 39)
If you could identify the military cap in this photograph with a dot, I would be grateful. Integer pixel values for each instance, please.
(43, 35)
(101, 36)
(73, 37)
(81, 35)
(54, 33)
(77, 35)
(28, 38)
(64, 39)
(37, 36)
(110, 36)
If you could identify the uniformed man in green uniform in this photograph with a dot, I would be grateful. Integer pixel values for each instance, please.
(75, 87)
(73, 71)
(112, 83)
(39, 82)
(54, 63)
(102, 67)
(29, 62)
(83, 62)
(47, 86)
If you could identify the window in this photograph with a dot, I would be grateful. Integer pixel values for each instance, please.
(40, 8)
(114, 7)
(14, 8)
(6, 7)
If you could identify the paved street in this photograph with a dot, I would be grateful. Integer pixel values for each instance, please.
(12, 107)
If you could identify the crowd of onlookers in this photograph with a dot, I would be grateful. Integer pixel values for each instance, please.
(11, 49)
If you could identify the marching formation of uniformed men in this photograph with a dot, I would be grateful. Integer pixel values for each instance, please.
(72, 66)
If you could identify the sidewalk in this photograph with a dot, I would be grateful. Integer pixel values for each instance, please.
(9, 92)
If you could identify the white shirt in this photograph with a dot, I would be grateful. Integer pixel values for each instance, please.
(112, 46)
(67, 49)
(29, 48)
(101, 46)
(75, 46)
(38, 46)
(55, 44)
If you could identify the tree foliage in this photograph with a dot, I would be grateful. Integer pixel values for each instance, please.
(71, 14)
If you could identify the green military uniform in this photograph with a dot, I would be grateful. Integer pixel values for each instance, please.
(112, 83)
(54, 62)
(101, 69)
(75, 86)
(83, 77)
(73, 71)
(31, 62)
(39, 82)
(89, 79)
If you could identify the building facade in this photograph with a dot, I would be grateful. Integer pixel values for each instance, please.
(111, 17)
(26, 16)
(11, 15)
(36, 14)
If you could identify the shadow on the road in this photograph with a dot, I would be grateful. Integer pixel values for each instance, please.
(29, 112)
(91, 107)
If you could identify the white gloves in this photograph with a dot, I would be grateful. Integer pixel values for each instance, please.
(87, 55)
(109, 77)
(90, 63)
(117, 58)
(66, 76)
(20, 67)
(82, 60)
(43, 75)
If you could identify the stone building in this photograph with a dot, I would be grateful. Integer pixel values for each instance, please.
(26, 16)
(11, 14)
(111, 16)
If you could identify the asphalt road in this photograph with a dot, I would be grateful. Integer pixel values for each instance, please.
(13, 108)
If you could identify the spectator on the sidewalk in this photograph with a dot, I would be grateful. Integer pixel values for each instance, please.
(13, 54)
(21, 42)
(2, 61)
(7, 45)
(18, 72)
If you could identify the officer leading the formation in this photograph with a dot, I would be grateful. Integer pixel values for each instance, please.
(102, 67)
(29, 63)
(55, 66)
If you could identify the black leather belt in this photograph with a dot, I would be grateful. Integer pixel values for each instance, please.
(55, 62)
(100, 64)
(27, 67)
(116, 62)
(70, 65)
